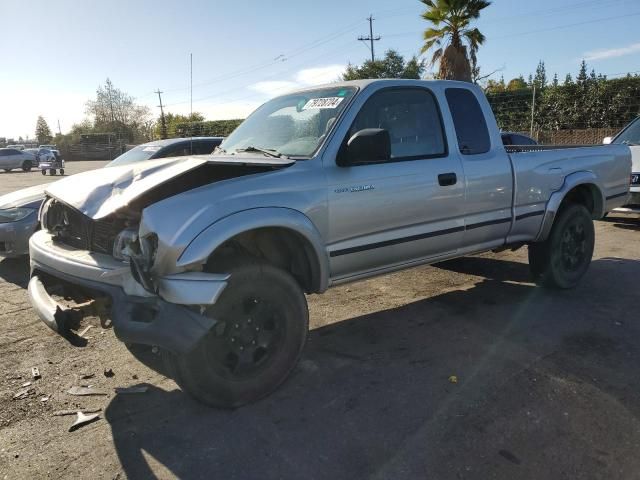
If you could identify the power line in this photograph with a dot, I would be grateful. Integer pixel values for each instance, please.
(279, 59)
(370, 38)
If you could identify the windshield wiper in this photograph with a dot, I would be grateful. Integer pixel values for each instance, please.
(272, 152)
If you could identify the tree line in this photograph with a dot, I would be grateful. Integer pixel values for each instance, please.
(590, 100)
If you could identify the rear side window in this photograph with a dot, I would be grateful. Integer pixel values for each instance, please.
(468, 119)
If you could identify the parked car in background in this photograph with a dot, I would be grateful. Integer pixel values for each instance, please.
(42, 154)
(510, 138)
(12, 158)
(19, 219)
(17, 223)
(17, 146)
(630, 136)
(172, 147)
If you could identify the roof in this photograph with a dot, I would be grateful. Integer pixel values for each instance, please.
(394, 81)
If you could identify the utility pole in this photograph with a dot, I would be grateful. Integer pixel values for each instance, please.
(59, 131)
(163, 124)
(370, 38)
(533, 106)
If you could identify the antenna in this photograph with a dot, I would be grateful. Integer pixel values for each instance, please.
(191, 100)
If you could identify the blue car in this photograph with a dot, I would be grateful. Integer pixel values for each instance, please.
(19, 209)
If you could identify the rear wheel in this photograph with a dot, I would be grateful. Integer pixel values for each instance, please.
(62, 171)
(26, 166)
(262, 328)
(44, 172)
(562, 259)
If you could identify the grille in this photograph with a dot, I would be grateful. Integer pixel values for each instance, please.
(76, 230)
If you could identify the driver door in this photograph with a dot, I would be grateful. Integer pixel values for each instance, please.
(408, 208)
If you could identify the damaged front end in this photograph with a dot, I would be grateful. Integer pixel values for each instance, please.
(99, 242)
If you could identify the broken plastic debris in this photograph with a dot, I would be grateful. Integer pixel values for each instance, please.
(61, 413)
(82, 419)
(81, 334)
(26, 384)
(23, 393)
(44, 399)
(139, 389)
(85, 391)
(453, 379)
(35, 373)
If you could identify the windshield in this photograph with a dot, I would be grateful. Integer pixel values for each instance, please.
(292, 125)
(630, 135)
(136, 154)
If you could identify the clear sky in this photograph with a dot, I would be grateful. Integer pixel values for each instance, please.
(54, 54)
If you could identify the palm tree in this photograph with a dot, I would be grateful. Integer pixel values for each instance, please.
(452, 19)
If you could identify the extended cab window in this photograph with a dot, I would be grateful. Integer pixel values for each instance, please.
(468, 119)
(411, 117)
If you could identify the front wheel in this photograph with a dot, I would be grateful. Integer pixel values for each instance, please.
(26, 166)
(44, 172)
(262, 327)
(62, 171)
(564, 257)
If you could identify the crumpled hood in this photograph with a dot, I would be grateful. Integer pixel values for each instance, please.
(24, 197)
(100, 192)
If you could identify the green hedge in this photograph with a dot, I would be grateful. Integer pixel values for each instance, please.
(210, 128)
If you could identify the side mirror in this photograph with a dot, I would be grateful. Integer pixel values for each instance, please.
(607, 140)
(371, 145)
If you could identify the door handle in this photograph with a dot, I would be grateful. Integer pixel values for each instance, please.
(447, 179)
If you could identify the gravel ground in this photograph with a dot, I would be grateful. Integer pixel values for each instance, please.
(547, 382)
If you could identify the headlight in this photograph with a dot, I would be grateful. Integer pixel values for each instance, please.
(126, 244)
(8, 215)
(42, 213)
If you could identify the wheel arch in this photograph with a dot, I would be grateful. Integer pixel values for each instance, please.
(286, 238)
(582, 188)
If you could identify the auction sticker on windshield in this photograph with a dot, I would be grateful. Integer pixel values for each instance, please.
(324, 102)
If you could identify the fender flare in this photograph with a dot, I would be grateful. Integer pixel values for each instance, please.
(555, 200)
(208, 240)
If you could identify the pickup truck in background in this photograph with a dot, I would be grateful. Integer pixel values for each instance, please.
(630, 136)
(209, 258)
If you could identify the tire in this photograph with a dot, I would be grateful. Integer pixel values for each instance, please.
(26, 166)
(44, 172)
(262, 327)
(52, 171)
(62, 171)
(564, 257)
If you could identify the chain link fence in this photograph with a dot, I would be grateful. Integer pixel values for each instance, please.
(581, 112)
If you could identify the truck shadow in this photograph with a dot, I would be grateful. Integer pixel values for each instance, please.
(624, 222)
(374, 396)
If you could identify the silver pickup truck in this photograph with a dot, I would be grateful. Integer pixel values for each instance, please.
(209, 258)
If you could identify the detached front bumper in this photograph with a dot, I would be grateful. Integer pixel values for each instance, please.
(138, 317)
